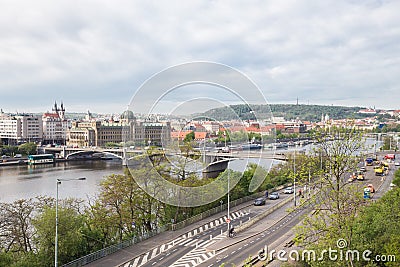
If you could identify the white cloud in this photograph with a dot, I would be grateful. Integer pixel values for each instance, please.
(97, 53)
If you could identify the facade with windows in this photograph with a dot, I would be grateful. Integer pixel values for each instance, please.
(20, 128)
(55, 126)
(127, 129)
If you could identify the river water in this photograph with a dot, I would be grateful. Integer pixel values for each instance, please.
(23, 181)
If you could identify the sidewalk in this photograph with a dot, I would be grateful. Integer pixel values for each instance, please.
(118, 258)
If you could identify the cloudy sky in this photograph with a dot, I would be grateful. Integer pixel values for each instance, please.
(95, 54)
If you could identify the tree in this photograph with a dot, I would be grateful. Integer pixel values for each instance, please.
(27, 148)
(388, 143)
(189, 137)
(71, 243)
(396, 179)
(112, 144)
(337, 203)
(123, 209)
(377, 228)
(16, 230)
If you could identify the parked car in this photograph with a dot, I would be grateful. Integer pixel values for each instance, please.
(397, 163)
(18, 156)
(363, 169)
(288, 190)
(274, 195)
(259, 201)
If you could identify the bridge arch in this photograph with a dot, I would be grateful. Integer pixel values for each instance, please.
(83, 152)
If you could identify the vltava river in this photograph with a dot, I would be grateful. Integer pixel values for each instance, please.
(24, 181)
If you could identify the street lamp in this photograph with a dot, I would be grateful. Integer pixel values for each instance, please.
(228, 217)
(56, 237)
(294, 178)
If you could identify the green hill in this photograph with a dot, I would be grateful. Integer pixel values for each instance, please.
(288, 111)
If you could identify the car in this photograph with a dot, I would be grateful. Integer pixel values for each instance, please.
(371, 188)
(363, 169)
(360, 176)
(397, 163)
(18, 156)
(288, 190)
(259, 201)
(274, 195)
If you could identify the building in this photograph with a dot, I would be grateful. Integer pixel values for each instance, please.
(127, 129)
(55, 125)
(20, 128)
(180, 135)
(151, 133)
(94, 133)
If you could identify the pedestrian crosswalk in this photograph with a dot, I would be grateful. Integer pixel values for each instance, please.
(214, 223)
(197, 255)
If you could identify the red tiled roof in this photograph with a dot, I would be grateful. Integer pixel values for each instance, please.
(54, 115)
(182, 134)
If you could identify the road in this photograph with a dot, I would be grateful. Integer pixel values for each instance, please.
(189, 249)
(199, 252)
(236, 254)
(193, 248)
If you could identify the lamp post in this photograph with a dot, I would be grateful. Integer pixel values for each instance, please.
(294, 178)
(228, 217)
(56, 237)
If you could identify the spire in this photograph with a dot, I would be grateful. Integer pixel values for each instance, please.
(55, 109)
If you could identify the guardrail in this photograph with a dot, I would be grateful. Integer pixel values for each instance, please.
(213, 211)
(219, 209)
(173, 227)
(113, 248)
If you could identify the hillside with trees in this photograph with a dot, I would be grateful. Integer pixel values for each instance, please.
(288, 111)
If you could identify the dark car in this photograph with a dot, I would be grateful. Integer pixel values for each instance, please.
(259, 201)
(274, 195)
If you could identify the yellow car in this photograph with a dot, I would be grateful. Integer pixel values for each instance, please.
(360, 176)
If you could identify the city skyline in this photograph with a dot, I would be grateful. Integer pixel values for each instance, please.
(95, 56)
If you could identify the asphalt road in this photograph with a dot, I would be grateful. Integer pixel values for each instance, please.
(236, 254)
(188, 251)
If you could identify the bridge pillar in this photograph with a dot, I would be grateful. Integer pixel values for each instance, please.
(63, 152)
(124, 158)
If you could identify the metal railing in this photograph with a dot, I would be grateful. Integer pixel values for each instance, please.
(173, 227)
(113, 248)
(213, 211)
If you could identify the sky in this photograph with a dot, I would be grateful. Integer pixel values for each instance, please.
(95, 55)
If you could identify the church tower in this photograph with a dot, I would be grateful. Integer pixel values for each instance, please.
(61, 112)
